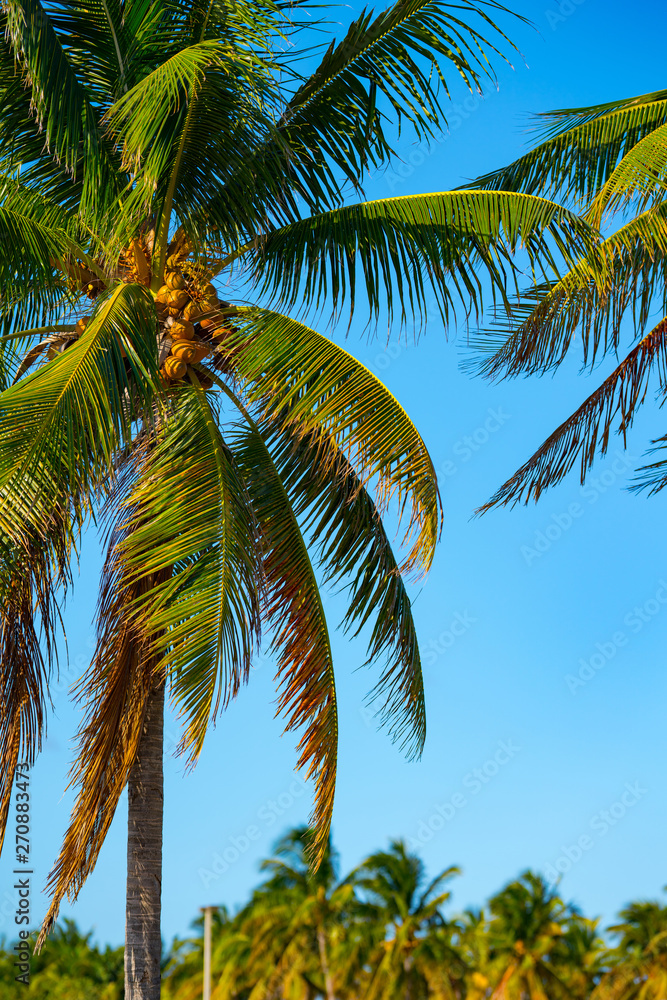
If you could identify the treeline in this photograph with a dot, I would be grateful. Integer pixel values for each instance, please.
(380, 933)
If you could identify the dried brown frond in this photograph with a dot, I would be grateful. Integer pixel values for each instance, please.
(115, 689)
(586, 433)
(292, 608)
(28, 613)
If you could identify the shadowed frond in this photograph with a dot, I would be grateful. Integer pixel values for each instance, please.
(586, 433)
(37, 235)
(290, 370)
(347, 533)
(63, 108)
(293, 610)
(29, 618)
(408, 248)
(188, 520)
(580, 148)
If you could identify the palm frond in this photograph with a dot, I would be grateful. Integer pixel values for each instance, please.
(62, 425)
(29, 619)
(332, 126)
(188, 519)
(624, 274)
(353, 551)
(640, 177)
(292, 371)
(115, 691)
(293, 610)
(412, 247)
(587, 432)
(63, 108)
(581, 148)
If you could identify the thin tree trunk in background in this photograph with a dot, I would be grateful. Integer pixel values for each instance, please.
(143, 943)
(326, 972)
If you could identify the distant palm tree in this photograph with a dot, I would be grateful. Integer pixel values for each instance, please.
(639, 961)
(413, 957)
(527, 922)
(298, 923)
(609, 163)
(70, 967)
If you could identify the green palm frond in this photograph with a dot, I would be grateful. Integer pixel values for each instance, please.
(293, 611)
(63, 108)
(639, 178)
(62, 425)
(290, 370)
(581, 148)
(188, 520)
(332, 126)
(411, 247)
(587, 432)
(37, 236)
(353, 551)
(624, 274)
(110, 43)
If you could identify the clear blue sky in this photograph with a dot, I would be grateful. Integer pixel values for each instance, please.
(556, 758)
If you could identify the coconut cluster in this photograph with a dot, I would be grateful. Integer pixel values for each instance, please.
(191, 324)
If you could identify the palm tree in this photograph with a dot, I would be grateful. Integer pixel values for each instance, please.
(609, 163)
(296, 929)
(70, 967)
(528, 921)
(414, 957)
(639, 961)
(150, 150)
(295, 936)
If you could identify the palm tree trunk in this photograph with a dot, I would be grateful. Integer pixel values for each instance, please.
(326, 972)
(143, 942)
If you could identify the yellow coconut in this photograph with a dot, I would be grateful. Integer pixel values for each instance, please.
(163, 295)
(175, 280)
(178, 299)
(174, 368)
(186, 350)
(182, 330)
(81, 324)
(209, 292)
(192, 311)
(201, 352)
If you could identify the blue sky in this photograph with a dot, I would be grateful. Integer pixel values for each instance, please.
(544, 629)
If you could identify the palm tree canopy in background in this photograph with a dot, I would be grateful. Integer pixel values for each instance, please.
(393, 938)
(609, 163)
